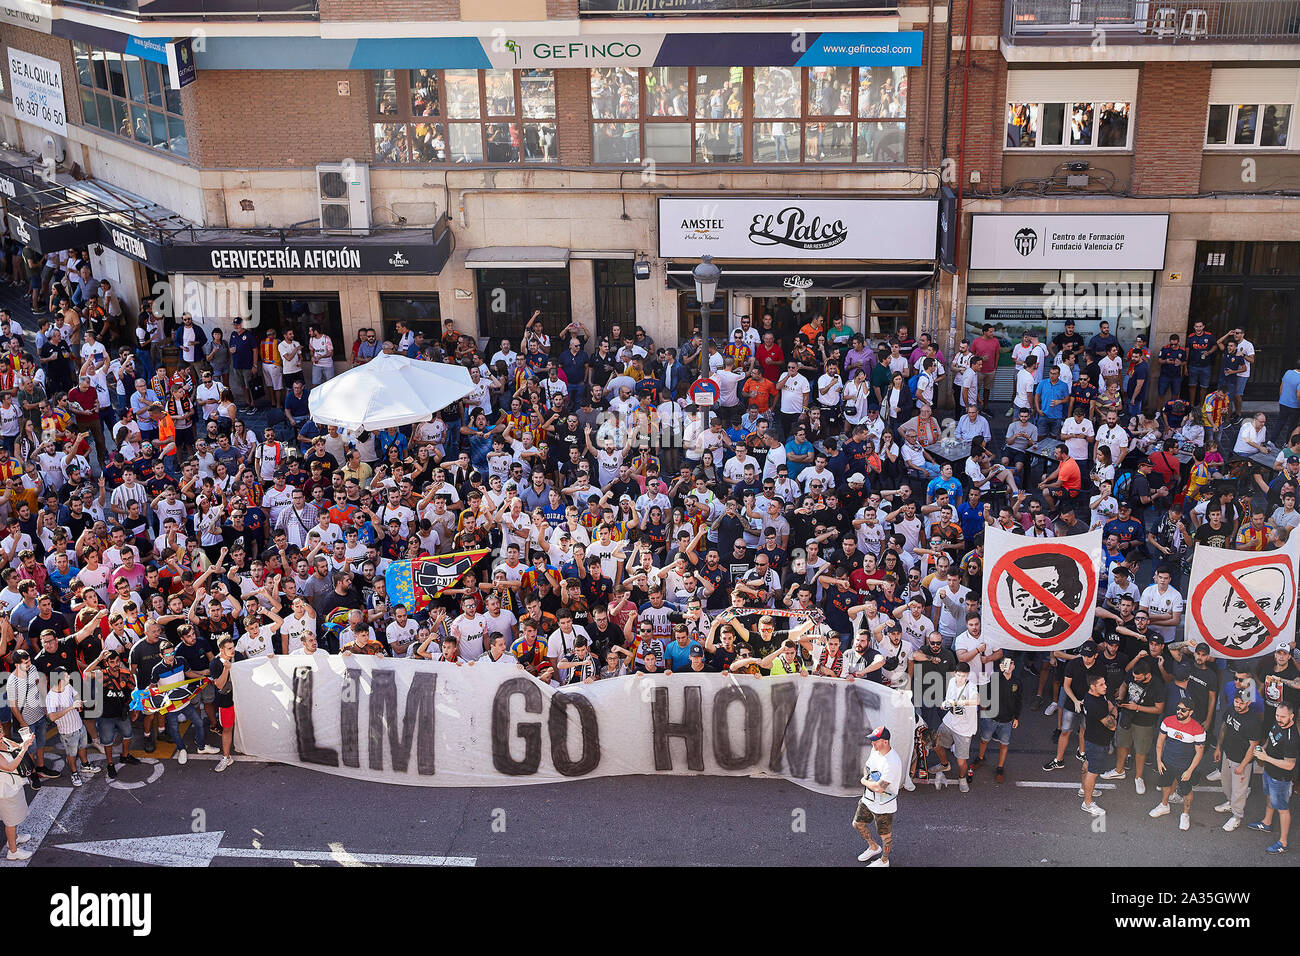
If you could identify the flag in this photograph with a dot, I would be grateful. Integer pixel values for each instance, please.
(415, 582)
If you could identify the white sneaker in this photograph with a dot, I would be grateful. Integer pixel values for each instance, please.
(1081, 791)
(18, 855)
(1184, 822)
(223, 763)
(940, 780)
(1224, 808)
(209, 749)
(1139, 785)
(76, 780)
(23, 838)
(1092, 808)
(869, 854)
(1114, 775)
(908, 785)
(182, 756)
(1175, 798)
(1214, 776)
(1232, 824)
(89, 770)
(1051, 709)
(963, 786)
(878, 863)
(1160, 810)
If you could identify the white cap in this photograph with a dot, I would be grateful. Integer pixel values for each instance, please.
(857, 479)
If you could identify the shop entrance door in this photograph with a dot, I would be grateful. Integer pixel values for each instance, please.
(1266, 312)
(791, 313)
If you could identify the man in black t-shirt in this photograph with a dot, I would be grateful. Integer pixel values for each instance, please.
(1279, 755)
(1241, 731)
(47, 619)
(223, 683)
(1141, 703)
(144, 657)
(1097, 737)
(56, 653)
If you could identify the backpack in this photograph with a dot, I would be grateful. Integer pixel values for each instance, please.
(1123, 483)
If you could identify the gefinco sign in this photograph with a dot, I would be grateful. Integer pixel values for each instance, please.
(883, 229)
(569, 52)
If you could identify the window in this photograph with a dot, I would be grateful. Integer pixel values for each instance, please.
(463, 116)
(125, 96)
(1260, 125)
(1072, 126)
(768, 114)
(507, 298)
(421, 313)
(615, 295)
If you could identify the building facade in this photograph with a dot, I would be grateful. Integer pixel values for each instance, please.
(508, 157)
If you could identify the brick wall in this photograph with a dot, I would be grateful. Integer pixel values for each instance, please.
(279, 118)
(560, 9)
(925, 147)
(573, 120)
(1168, 143)
(389, 10)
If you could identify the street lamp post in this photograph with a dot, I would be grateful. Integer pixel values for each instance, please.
(706, 276)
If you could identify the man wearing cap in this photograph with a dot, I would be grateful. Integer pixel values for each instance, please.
(881, 778)
(1240, 733)
(243, 351)
(1079, 672)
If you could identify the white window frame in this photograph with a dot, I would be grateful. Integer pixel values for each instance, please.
(1233, 109)
(1064, 146)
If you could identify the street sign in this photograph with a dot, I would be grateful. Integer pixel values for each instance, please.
(704, 393)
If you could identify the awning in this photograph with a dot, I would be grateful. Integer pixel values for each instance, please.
(786, 280)
(517, 257)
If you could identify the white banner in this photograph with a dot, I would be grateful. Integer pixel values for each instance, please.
(435, 724)
(887, 229)
(1243, 605)
(29, 14)
(37, 87)
(1040, 593)
(553, 53)
(1033, 241)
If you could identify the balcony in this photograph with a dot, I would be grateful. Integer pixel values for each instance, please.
(277, 10)
(1147, 23)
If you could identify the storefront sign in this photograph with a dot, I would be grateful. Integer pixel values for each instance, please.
(888, 229)
(133, 244)
(37, 87)
(28, 14)
(315, 256)
(1077, 242)
(56, 236)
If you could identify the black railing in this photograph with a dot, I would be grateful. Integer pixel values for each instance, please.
(204, 9)
(1155, 21)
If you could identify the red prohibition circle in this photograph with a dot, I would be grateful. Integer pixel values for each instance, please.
(1007, 562)
(1229, 573)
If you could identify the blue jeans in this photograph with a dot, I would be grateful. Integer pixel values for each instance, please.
(1049, 427)
(194, 714)
(1169, 384)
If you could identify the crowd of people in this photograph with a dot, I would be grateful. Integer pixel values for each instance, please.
(807, 523)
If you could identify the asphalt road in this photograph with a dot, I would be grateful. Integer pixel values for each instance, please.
(275, 815)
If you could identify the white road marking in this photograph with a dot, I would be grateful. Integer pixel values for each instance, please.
(199, 849)
(41, 814)
(154, 774)
(1066, 785)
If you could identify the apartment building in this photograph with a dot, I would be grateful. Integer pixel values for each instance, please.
(1139, 162)
(359, 162)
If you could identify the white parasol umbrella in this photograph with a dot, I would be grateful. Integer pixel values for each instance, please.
(388, 391)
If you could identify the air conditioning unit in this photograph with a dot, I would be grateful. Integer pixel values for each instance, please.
(54, 149)
(343, 191)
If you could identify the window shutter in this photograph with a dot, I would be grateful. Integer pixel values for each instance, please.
(1067, 86)
(1244, 86)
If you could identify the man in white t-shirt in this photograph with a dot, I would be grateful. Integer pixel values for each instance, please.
(975, 648)
(301, 623)
(881, 779)
(1025, 382)
(1163, 604)
(290, 358)
(1113, 436)
(401, 631)
(960, 721)
(1077, 433)
(467, 628)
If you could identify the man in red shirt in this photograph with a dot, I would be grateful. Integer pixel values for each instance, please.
(771, 357)
(83, 402)
(1064, 483)
(988, 347)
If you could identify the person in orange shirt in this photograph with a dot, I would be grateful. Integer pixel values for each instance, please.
(759, 390)
(1064, 483)
(814, 328)
(166, 443)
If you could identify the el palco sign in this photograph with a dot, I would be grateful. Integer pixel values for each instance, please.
(738, 228)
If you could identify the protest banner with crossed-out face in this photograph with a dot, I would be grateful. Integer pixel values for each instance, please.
(1243, 605)
(1039, 593)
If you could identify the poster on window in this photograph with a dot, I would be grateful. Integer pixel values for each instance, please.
(37, 87)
